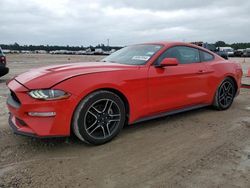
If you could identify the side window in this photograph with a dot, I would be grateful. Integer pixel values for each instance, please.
(206, 56)
(184, 54)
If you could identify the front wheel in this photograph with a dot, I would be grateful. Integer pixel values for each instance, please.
(225, 94)
(99, 117)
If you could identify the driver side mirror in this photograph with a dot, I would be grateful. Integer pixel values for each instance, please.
(169, 62)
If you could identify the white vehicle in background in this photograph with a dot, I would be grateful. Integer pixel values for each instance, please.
(98, 51)
(80, 52)
(246, 52)
(6, 51)
(228, 50)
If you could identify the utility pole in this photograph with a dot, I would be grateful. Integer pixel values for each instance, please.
(108, 42)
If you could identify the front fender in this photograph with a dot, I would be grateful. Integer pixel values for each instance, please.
(132, 85)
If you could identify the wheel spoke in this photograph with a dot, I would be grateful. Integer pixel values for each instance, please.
(93, 114)
(94, 110)
(225, 100)
(222, 97)
(107, 126)
(114, 120)
(114, 115)
(226, 85)
(229, 87)
(107, 106)
(228, 99)
(92, 125)
(224, 88)
(103, 130)
(95, 129)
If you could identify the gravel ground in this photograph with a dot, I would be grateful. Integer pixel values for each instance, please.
(201, 148)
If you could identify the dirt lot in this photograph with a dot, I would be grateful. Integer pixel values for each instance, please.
(201, 148)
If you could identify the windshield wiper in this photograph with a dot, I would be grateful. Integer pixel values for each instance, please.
(108, 61)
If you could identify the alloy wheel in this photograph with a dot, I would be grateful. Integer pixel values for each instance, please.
(226, 94)
(102, 118)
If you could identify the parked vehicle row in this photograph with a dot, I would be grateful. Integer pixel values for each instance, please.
(224, 52)
(212, 48)
(235, 53)
(246, 52)
(3, 69)
(89, 51)
(238, 53)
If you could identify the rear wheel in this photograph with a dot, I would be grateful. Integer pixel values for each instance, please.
(225, 94)
(99, 117)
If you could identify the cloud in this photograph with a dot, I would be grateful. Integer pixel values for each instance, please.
(82, 22)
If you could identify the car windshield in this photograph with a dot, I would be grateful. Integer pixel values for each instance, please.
(133, 55)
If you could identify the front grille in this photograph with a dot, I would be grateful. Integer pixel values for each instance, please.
(14, 97)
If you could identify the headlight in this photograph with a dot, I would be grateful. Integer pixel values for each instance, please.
(48, 94)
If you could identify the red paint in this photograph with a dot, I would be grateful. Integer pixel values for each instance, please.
(246, 86)
(149, 90)
(248, 73)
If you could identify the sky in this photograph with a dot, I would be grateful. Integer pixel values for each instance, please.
(123, 22)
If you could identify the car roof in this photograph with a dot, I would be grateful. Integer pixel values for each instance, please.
(169, 44)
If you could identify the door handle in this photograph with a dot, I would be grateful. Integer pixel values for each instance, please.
(201, 72)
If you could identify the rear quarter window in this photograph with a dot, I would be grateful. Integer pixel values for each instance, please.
(205, 56)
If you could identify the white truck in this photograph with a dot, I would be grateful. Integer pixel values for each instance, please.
(228, 50)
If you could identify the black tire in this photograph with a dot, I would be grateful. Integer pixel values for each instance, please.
(99, 117)
(4, 71)
(225, 94)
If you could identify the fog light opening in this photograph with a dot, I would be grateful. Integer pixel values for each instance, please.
(42, 114)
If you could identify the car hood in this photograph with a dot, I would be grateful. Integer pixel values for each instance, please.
(47, 77)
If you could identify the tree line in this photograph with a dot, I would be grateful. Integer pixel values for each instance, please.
(48, 48)
(233, 45)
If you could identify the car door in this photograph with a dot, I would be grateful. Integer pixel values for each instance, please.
(175, 87)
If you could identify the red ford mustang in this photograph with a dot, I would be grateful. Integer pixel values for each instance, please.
(140, 82)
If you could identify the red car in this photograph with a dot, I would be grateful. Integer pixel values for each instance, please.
(140, 82)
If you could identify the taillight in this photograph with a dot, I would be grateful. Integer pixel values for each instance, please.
(3, 59)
